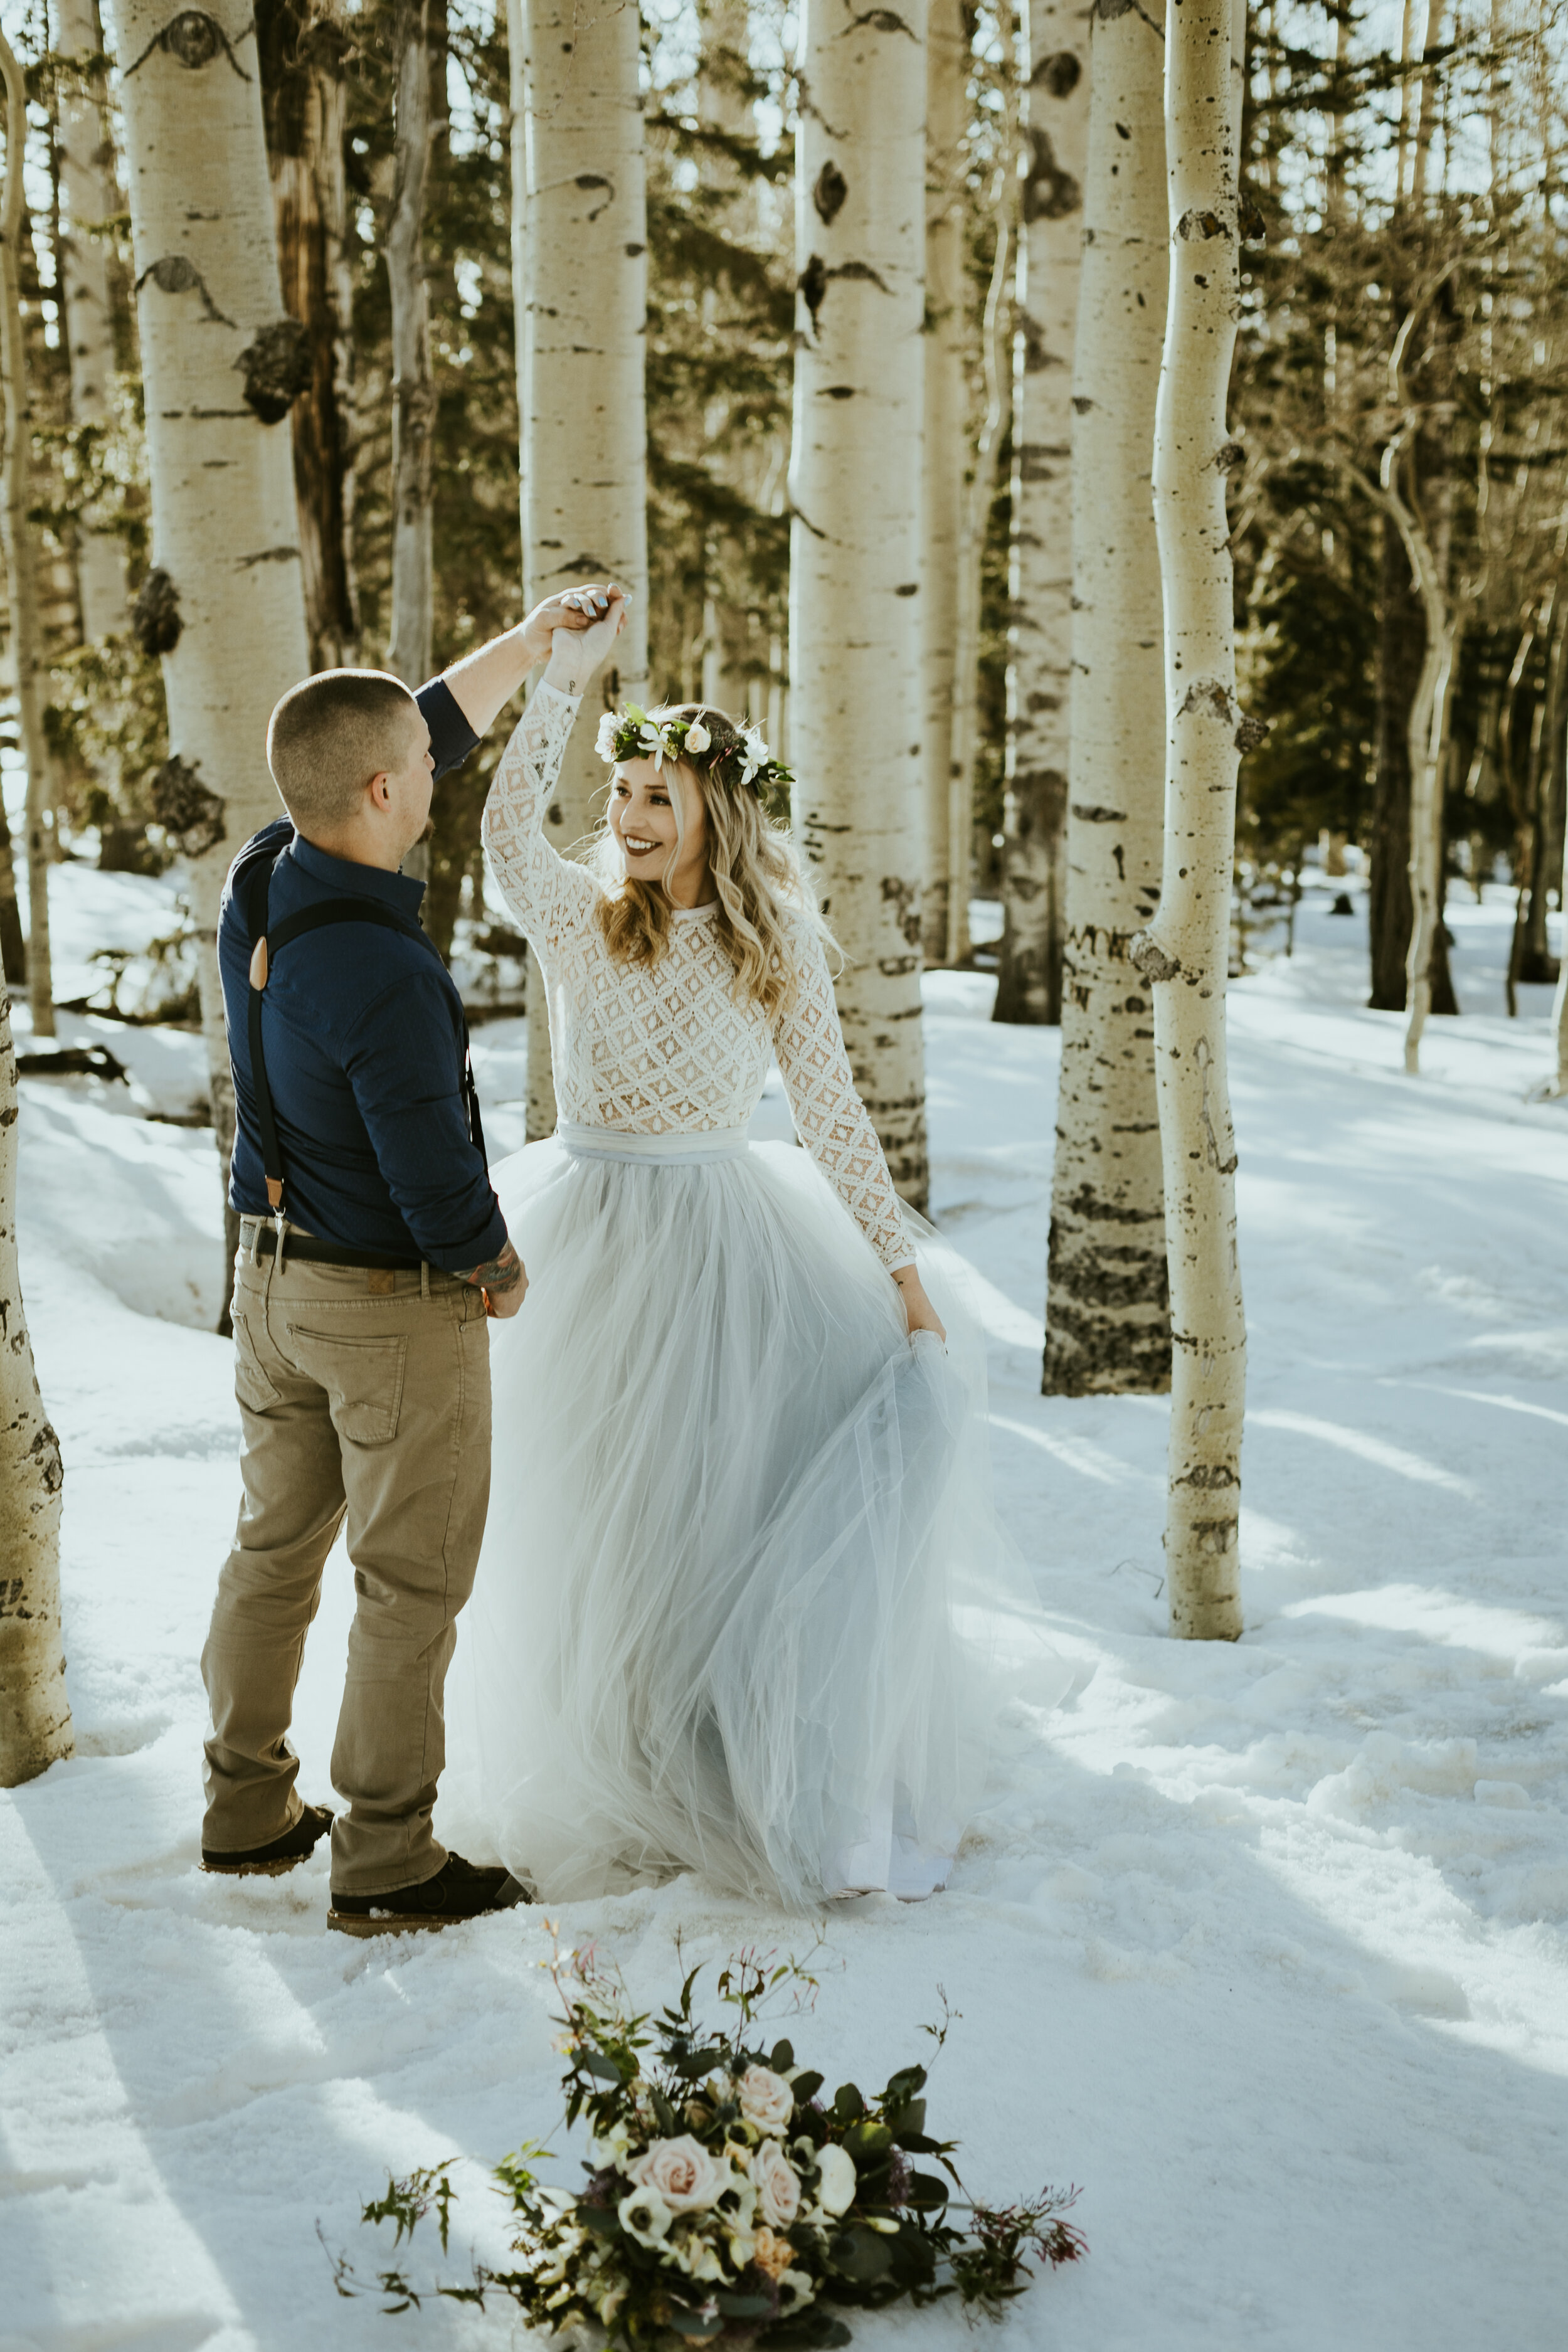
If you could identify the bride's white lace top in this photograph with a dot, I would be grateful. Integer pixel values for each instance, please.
(668, 1050)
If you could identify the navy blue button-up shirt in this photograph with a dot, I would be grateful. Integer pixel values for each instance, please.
(363, 1030)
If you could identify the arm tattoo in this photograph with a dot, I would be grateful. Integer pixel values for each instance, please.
(499, 1274)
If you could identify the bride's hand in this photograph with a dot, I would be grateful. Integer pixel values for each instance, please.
(575, 651)
(921, 1314)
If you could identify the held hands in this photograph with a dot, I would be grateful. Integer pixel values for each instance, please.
(921, 1314)
(586, 627)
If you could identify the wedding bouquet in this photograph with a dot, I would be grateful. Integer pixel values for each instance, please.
(725, 2199)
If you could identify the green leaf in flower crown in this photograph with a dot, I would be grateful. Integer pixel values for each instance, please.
(847, 2104)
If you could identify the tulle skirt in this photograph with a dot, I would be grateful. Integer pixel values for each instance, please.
(742, 1582)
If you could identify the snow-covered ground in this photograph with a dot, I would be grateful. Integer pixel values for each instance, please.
(1266, 1947)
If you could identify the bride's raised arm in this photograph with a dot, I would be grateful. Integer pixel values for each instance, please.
(547, 893)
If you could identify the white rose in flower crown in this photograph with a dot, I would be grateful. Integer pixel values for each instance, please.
(766, 2099)
(645, 2216)
(698, 739)
(778, 2185)
(756, 753)
(835, 2179)
(682, 2172)
(605, 741)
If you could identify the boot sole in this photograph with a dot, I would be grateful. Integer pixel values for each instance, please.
(255, 1869)
(398, 1923)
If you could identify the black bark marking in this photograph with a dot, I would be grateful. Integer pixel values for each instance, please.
(1251, 733)
(806, 521)
(1057, 76)
(1150, 959)
(45, 1450)
(881, 20)
(1229, 457)
(816, 278)
(1200, 223)
(174, 275)
(1088, 814)
(269, 555)
(1108, 12)
(837, 392)
(1206, 696)
(829, 193)
(188, 812)
(193, 39)
(277, 368)
(156, 619)
(1049, 192)
(586, 180)
(908, 588)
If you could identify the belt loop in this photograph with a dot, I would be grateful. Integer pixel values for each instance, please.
(424, 1278)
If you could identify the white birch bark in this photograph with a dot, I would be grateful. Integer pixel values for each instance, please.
(412, 387)
(1055, 140)
(1558, 1084)
(88, 201)
(584, 437)
(855, 542)
(34, 1713)
(1108, 1324)
(946, 406)
(1182, 953)
(223, 604)
(20, 550)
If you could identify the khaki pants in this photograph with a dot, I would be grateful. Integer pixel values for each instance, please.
(366, 1393)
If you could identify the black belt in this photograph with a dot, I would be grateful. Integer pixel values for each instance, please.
(319, 1253)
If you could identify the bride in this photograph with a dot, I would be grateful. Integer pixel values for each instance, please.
(741, 1554)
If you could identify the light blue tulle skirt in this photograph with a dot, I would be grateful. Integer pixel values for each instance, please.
(742, 1590)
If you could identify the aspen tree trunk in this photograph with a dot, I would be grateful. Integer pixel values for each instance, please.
(946, 406)
(1039, 671)
(90, 201)
(734, 666)
(1108, 1323)
(1182, 953)
(413, 388)
(971, 555)
(34, 1713)
(582, 324)
(1557, 1083)
(20, 550)
(221, 363)
(305, 100)
(855, 542)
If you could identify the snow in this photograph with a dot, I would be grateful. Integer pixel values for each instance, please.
(1266, 1946)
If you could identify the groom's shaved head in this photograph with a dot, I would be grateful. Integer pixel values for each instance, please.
(330, 735)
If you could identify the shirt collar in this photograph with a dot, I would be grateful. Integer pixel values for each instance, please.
(399, 891)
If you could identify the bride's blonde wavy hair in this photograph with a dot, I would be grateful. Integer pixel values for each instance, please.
(759, 880)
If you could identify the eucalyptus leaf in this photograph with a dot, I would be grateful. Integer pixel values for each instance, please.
(847, 2104)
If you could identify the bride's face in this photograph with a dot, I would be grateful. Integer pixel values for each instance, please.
(661, 826)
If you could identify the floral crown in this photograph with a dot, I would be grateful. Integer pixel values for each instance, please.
(736, 756)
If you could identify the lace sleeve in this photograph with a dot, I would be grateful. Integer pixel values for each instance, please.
(830, 1119)
(545, 891)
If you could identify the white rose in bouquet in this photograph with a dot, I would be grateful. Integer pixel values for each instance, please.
(645, 2217)
(766, 2099)
(682, 2173)
(778, 2185)
(698, 739)
(835, 2179)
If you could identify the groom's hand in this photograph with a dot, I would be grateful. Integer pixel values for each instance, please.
(503, 1280)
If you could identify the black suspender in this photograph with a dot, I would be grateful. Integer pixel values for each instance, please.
(269, 944)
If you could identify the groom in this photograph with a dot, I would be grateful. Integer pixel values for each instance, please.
(372, 1251)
